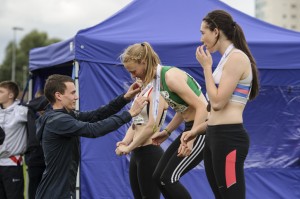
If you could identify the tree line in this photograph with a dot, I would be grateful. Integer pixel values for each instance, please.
(33, 39)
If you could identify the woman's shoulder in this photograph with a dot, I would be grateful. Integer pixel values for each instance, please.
(175, 75)
(237, 64)
(239, 55)
(239, 59)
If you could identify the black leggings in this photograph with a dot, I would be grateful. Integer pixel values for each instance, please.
(226, 148)
(171, 167)
(142, 164)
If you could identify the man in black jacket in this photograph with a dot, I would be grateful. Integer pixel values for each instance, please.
(59, 129)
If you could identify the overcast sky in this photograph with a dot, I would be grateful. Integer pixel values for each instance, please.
(63, 18)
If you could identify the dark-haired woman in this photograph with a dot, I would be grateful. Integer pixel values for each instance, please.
(229, 87)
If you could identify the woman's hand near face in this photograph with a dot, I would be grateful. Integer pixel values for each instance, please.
(204, 57)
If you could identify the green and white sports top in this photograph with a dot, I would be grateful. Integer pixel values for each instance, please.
(173, 100)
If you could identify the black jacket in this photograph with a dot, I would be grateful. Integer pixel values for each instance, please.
(58, 132)
(34, 155)
(2, 136)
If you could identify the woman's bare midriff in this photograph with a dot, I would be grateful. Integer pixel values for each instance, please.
(232, 113)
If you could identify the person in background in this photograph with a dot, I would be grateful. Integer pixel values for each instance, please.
(34, 156)
(183, 94)
(145, 155)
(58, 131)
(13, 119)
(229, 87)
(2, 136)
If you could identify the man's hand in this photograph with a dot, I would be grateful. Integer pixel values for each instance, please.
(134, 89)
(138, 105)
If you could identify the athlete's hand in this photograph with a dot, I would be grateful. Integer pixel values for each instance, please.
(187, 136)
(118, 152)
(120, 143)
(185, 150)
(123, 149)
(159, 137)
(204, 57)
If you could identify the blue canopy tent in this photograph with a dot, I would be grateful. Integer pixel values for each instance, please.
(172, 27)
(47, 60)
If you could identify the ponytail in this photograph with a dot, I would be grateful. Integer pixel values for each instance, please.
(239, 41)
(223, 21)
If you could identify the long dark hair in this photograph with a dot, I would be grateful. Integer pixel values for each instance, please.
(223, 21)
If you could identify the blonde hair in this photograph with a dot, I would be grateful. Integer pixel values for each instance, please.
(140, 52)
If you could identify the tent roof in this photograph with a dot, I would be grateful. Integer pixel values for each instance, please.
(172, 27)
(54, 54)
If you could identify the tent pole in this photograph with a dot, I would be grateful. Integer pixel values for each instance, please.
(30, 89)
(76, 78)
(76, 67)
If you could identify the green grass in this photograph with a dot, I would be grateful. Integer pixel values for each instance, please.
(25, 180)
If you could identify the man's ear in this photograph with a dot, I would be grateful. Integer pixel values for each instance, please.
(10, 95)
(57, 96)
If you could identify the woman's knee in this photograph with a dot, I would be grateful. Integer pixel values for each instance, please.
(161, 179)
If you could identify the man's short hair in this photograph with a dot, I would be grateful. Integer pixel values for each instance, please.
(56, 83)
(12, 87)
